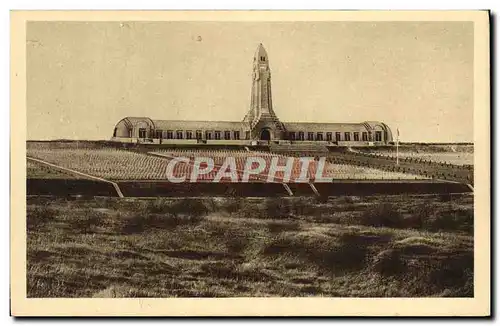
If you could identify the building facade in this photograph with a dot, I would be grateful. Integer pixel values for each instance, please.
(260, 124)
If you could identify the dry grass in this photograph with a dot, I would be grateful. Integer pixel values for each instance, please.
(349, 247)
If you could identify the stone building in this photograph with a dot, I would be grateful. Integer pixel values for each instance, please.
(260, 124)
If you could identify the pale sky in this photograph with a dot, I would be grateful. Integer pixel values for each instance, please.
(82, 78)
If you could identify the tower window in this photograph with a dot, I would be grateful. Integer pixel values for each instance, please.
(262, 58)
(329, 136)
(347, 136)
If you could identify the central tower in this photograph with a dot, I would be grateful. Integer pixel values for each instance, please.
(262, 120)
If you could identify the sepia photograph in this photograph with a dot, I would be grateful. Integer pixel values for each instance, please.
(231, 155)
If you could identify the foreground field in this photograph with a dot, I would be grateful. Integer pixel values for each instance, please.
(345, 247)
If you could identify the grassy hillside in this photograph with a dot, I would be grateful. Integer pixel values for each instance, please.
(348, 246)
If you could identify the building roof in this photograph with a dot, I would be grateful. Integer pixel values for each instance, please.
(315, 126)
(132, 121)
(194, 125)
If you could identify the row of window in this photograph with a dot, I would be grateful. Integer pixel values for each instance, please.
(365, 136)
(188, 134)
(217, 135)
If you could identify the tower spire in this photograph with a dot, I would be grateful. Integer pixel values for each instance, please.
(261, 104)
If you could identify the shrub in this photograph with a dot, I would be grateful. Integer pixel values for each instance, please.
(233, 205)
(282, 226)
(278, 208)
(350, 254)
(38, 216)
(347, 254)
(453, 272)
(249, 210)
(279, 244)
(237, 244)
(303, 206)
(445, 197)
(321, 199)
(130, 224)
(211, 204)
(349, 199)
(186, 206)
(220, 270)
(420, 215)
(388, 263)
(160, 205)
(137, 223)
(383, 215)
(458, 220)
(87, 220)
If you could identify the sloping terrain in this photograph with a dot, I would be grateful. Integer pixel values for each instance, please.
(229, 247)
